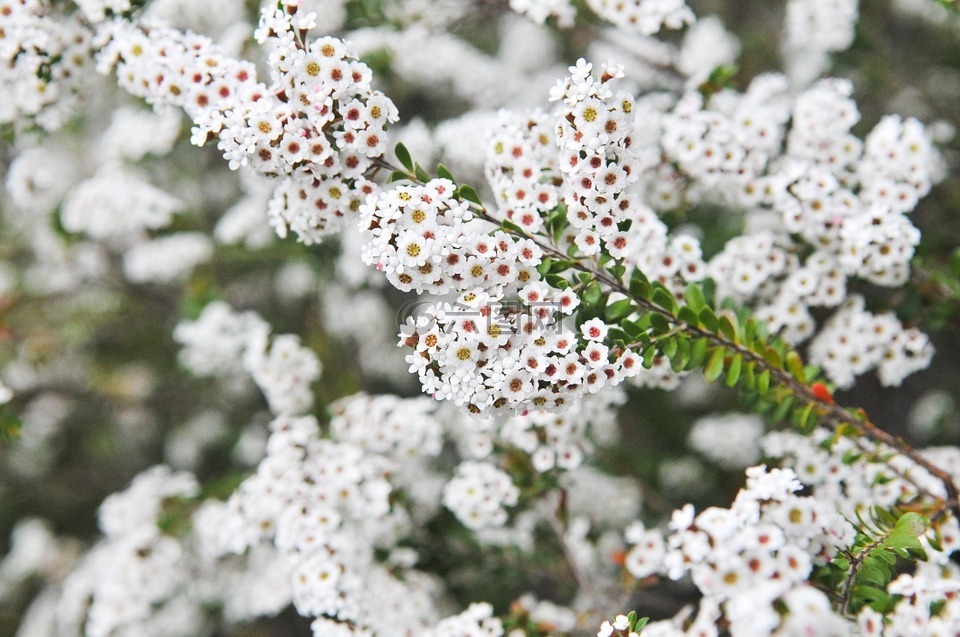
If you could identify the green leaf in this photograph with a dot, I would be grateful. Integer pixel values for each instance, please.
(714, 366)
(618, 310)
(879, 600)
(512, 227)
(772, 356)
(708, 319)
(632, 328)
(681, 359)
(648, 355)
(874, 561)
(795, 365)
(670, 348)
(720, 77)
(444, 173)
(733, 372)
(749, 375)
(421, 174)
(659, 323)
(639, 285)
(469, 194)
(396, 175)
(872, 576)
(693, 295)
(698, 353)
(763, 381)
(727, 328)
(750, 330)
(910, 524)
(665, 299)
(851, 456)
(888, 518)
(616, 334)
(557, 281)
(805, 422)
(709, 287)
(783, 408)
(936, 607)
(591, 295)
(403, 156)
(686, 315)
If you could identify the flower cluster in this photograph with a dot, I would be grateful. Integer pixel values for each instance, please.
(150, 573)
(284, 372)
(169, 68)
(135, 133)
(749, 265)
(814, 29)
(387, 425)
(478, 494)
(214, 343)
(43, 60)
(730, 440)
(725, 143)
(540, 10)
(853, 200)
(167, 259)
(645, 17)
(321, 123)
(620, 624)
(927, 602)
(746, 557)
(561, 440)
(419, 236)
(797, 158)
(97, 10)
(325, 505)
(855, 478)
(600, 159)
(34, 550)
(477, 620)
(855, 340)
(597, 154)
(222, 342)
(818, 282)
(522, 169)
(318, 127)
(489, 356)
(117, 206)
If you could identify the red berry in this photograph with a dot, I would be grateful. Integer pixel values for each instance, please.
(822, 394)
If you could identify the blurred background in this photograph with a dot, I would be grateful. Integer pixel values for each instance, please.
(99, 394)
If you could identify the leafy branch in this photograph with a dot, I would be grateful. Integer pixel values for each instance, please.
(870, 565)
(693, 334)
